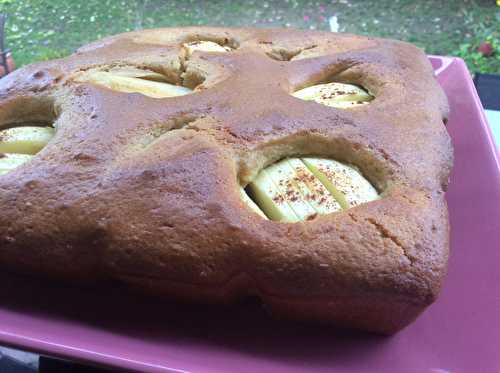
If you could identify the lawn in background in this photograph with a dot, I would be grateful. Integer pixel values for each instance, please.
(42, 29)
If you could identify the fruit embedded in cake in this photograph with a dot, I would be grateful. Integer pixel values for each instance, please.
(19, 144)
(299, 189)
(337, 95)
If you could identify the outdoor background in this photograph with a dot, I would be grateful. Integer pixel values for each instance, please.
(44, 29)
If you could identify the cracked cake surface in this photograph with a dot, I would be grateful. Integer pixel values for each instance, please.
(147, 190)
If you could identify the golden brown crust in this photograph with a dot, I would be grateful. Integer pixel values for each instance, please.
(106, 200)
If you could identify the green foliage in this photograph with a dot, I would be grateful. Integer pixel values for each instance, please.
(45, 54)
(43, 29)
(476, 61)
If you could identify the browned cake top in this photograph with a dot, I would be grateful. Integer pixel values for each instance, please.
(148, 188)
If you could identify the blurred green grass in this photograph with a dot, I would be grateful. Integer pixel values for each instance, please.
(44, 29)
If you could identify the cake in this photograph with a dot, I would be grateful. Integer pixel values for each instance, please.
(211, 164)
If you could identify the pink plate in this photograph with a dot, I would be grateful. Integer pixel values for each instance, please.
(459, 333)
